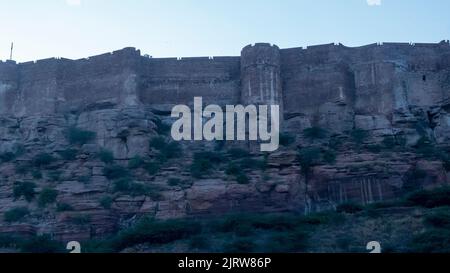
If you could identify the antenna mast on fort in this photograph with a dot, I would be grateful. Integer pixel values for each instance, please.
(11, 54)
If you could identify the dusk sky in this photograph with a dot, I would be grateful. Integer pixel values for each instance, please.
(161, 28)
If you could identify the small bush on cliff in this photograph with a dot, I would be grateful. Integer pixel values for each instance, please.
(152, 167)
(68, 154)
(77, 136)
(204, 163)
(136, 162)
(309, 157)
(25, 189)
(80, 219)
(61, 207)
(47, 196)
(286, 139)
(166, 150)
(314, 133)
(128, 186)
(431, 198)
(349, 208)
(115, 172)
(7, 157)
(161, 127)
(431, 241)
(156, 232)
(359, 136)
(16, 214)
(235, 153)
(439, 218)
(43, 159)
(41, 244)
(106, 202)
(106, 156)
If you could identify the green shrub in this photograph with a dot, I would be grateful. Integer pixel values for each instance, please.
(375, 148)
(426, 148)
(413, 180)
(389, 142)
(359, 136)
(240, 245)
(286, 139)
(115, 172)
(68, 154)
(173, 182)
(80, 219)
(252, 164)
(308, 158)
(106, 156)
(136, 162)
(78, 136)
(25, 189)
(349, 208)
(84, 179)
(16, 214)
(47, 196)
(41, 244)
(157, 143)
(61, 207)
(152, 168)
(54, 176)
(22, 168)
(431, 241)
(233, 169)
(203, 164)
(36, 174)
(431, 198)
(127, 186)
(439, 218)
(106, 202)
(156, 232)
(161, 127)
(166, 150)
(242, 179)
(288, 242)
(235, 153)
(43, 159)
(314, 133)
(7, 157)
(329, 156)
(200, 241)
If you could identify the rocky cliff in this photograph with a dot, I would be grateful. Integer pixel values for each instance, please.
(85, 148)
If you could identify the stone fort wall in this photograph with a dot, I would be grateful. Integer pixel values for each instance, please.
(327, 82)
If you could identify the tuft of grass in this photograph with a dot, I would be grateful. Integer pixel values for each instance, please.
(77, 136)
(349, 208)
(106, 156)
(106, 202)
(47, 196)
(136, 162)
(43, 159)
(61, 207)
(315, 133)
(25, 189)
(68, 154)
(115, 172)
(15, 214)
(439, 197)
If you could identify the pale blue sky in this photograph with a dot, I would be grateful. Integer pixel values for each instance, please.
(161, 28)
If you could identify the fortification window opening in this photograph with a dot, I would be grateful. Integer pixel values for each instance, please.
(424, 78)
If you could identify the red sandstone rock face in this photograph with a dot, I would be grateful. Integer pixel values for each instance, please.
(378, 89)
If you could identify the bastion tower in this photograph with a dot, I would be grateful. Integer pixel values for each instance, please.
(261, 75)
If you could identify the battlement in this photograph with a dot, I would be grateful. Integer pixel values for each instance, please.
(262, 73)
